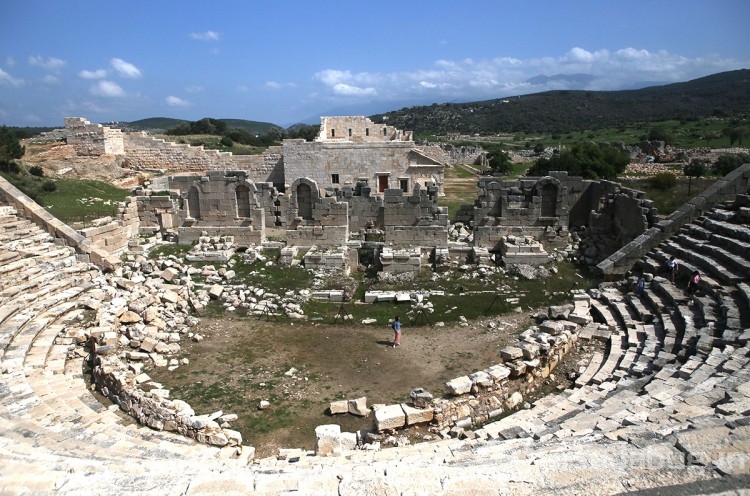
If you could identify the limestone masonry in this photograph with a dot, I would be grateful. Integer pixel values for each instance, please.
(663, 408)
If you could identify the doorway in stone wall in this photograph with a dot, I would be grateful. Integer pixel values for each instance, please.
(194, 208)
(242, 195)
(304, 201)
(549, 200)
(382, 183)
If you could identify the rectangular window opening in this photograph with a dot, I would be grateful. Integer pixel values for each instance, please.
(404, 185)
(367, 131)
(333, 133)
(335, 178)
(350, 132)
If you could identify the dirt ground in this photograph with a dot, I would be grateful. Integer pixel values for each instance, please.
(243, 361)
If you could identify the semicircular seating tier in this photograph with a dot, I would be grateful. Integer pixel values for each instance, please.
(667, 403)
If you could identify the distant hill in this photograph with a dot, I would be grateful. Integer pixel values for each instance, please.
(152, 124)
(166, 123)
(723, 94)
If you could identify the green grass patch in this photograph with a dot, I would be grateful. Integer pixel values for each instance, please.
(170, 249)
(667, 201)
(459, 172)
(470, 297)
(81, 200)
(275, 277)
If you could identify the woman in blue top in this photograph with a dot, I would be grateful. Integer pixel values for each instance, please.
(396, 332)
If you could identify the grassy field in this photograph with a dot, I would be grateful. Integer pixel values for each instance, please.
(71, 200)
(83, 200)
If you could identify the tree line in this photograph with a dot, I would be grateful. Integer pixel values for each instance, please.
(231, 135)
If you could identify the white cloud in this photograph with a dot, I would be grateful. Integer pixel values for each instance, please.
(9, 80)
(174, 101)
(50, 63)
(97, 74)
(275, 85)
(345, 83)
(50, 80)
(10, 61)
(107, 89)
(344, 89)
(206, 36)
(125, 69)
(193, 89)
(468, 79)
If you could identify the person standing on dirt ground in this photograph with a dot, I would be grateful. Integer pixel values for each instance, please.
(396, 332)
(672, 267)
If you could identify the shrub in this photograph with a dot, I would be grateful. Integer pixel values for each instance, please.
(9, 167)
(37, 171)
(49, 186)
(663, 181)
(227, 141)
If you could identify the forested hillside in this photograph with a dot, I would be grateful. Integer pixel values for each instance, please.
(723, 95)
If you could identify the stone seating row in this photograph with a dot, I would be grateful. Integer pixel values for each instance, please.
(44, 394)
(692, 407)
(692, 399)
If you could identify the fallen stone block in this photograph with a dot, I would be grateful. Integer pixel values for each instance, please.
(358, 407)
(516, 368)
(498, 372)
(389, 417)
(170, 274)
(514, 400)
(327, 440)
(459, 385)
(215, 291)
(420, 398)
(510, 353)
(417, 415)
(337, 407)
(481, 379)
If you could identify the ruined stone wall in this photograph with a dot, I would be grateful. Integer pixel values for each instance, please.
(349, 162)
(623, 212)
(221, 202)
(113, 235)
(157, 212)
(359, 129)
(93, 140)
(146, 153)
(536, 207)
(313, 219)
(365, 211)
(415, 220)
(621, 261)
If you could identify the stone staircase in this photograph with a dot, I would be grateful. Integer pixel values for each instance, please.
(666, 403)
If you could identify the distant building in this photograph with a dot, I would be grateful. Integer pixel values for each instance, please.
(355, 151)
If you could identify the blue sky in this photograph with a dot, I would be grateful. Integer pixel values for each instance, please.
(292, 61)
